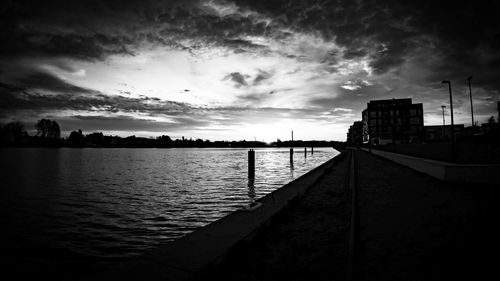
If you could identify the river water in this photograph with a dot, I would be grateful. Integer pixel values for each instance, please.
(69, 212)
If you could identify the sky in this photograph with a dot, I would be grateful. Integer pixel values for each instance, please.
(235, 70)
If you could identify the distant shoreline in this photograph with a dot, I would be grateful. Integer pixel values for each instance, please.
(301, 145)
(137, 142)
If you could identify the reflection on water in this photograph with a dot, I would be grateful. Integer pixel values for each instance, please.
(251, 191)
(99, 206)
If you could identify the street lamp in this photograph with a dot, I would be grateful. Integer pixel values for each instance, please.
(442, 108)
(471, 109)
(443, 129)
(452, 123)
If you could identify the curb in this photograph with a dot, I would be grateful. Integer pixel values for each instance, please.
(351, 269)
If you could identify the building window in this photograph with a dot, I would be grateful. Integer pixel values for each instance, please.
(373, 114)
(413, 112)
(415, 120)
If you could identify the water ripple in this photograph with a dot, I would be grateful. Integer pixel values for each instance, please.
(101, 206)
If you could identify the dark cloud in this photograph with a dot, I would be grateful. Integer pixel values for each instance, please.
(91, 29)
(238, 78)
(241, 80)
(85, 29)
(195, 23)
(240, 45)
(262, 76)
(46, 81)
(9, 89)
(355, 53)
(22, 41)
(125, 123)
(363, 26)
(14, 98)
(254, 98)
(385, 62)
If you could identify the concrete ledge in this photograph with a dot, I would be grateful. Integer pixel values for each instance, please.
(184, 258)
(472, 173)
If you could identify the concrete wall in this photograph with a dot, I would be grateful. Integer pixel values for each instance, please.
(466, 153)
(473, 173)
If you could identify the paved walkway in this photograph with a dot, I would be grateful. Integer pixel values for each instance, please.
(413, 227)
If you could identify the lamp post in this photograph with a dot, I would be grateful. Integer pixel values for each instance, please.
(452, 123)
(471, 107)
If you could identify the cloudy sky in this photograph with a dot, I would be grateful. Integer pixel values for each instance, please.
(242, 69)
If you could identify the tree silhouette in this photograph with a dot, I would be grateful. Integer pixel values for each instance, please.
(164, 141)
(47, 128)
(13, 133)
(76, 138)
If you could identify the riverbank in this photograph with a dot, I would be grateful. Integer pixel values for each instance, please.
(310, 241)
(409, 226)
(199, 250)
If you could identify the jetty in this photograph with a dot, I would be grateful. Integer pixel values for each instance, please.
(359, 216)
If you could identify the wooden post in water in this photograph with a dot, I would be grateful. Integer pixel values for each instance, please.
(312, 150)
(251, 164)
(305, 152)
(291, 153)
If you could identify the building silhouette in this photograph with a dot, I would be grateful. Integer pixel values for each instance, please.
(393, 121)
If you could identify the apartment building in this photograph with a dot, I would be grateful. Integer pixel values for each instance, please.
(393, 121)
